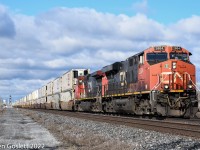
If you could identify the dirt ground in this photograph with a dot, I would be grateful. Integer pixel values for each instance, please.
(18, 131)
(74, 137)
(68, 133)
(25, 129)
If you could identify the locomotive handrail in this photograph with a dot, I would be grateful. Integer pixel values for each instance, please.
(155, 84)
(196, 86)
(175, 74)
(158, 84)
(193, 82)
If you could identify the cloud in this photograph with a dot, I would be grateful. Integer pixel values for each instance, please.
(43, 47)
(141, 6)
(16, 86)
(7, 26)
(141, 28)
(189, 25)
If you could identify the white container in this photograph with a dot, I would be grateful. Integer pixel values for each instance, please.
(68, 80)
(49, 99)
(20, 101)
(44, 92)
(24, 99)
(29, 97)
(49, 88)
(67, 96)
(57, 85)
(33, 102)
(35, 95)
(40, 93)
(32, 96)
(38, 101)
(43, 100)
(56, 99)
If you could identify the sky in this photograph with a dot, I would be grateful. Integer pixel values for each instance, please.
(40, 40)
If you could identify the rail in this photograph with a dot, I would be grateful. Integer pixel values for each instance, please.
(191, 129)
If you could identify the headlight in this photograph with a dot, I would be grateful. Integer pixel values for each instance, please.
(166, 86)
(174, 65)
(190, 86)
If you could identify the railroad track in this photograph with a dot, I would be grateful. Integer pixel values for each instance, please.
(177, 127)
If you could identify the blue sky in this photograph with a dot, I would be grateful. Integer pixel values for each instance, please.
(40, 40)
(167, 11)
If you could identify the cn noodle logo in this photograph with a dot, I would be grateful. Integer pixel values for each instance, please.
(140, 71)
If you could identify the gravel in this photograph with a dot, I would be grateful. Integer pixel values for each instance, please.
(85, 134)
(21, 132)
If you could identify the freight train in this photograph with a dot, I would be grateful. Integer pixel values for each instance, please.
(160, 80)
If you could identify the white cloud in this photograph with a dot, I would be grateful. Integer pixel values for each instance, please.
(189, 25)
(19, 87)
(141, 28)
(43, 47)
(7, 27)
(141, 6)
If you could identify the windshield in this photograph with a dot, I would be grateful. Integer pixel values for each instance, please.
(180, 56)
(156, 56)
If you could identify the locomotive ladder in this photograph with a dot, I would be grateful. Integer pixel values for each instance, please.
(99, 98)
(153, 98)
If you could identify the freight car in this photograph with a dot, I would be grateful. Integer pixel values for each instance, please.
(157, 81)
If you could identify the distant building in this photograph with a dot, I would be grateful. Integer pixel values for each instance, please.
(4, 102)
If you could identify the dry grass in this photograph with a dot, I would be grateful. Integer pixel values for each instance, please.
(76, 138)
(2, 111)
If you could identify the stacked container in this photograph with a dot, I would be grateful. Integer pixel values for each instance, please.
(69, 81)
(49, 95)
(56, 93)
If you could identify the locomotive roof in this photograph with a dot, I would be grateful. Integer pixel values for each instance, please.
(137, 54)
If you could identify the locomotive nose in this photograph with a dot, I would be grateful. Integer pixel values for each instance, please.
(182, 75)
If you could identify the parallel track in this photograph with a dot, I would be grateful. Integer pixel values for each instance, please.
(177, 127)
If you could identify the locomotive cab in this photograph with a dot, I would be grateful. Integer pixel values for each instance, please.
(170, 68)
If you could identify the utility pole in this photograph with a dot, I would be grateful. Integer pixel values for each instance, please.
(10, 100)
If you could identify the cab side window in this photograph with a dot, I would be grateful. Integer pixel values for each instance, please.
(141, 58)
